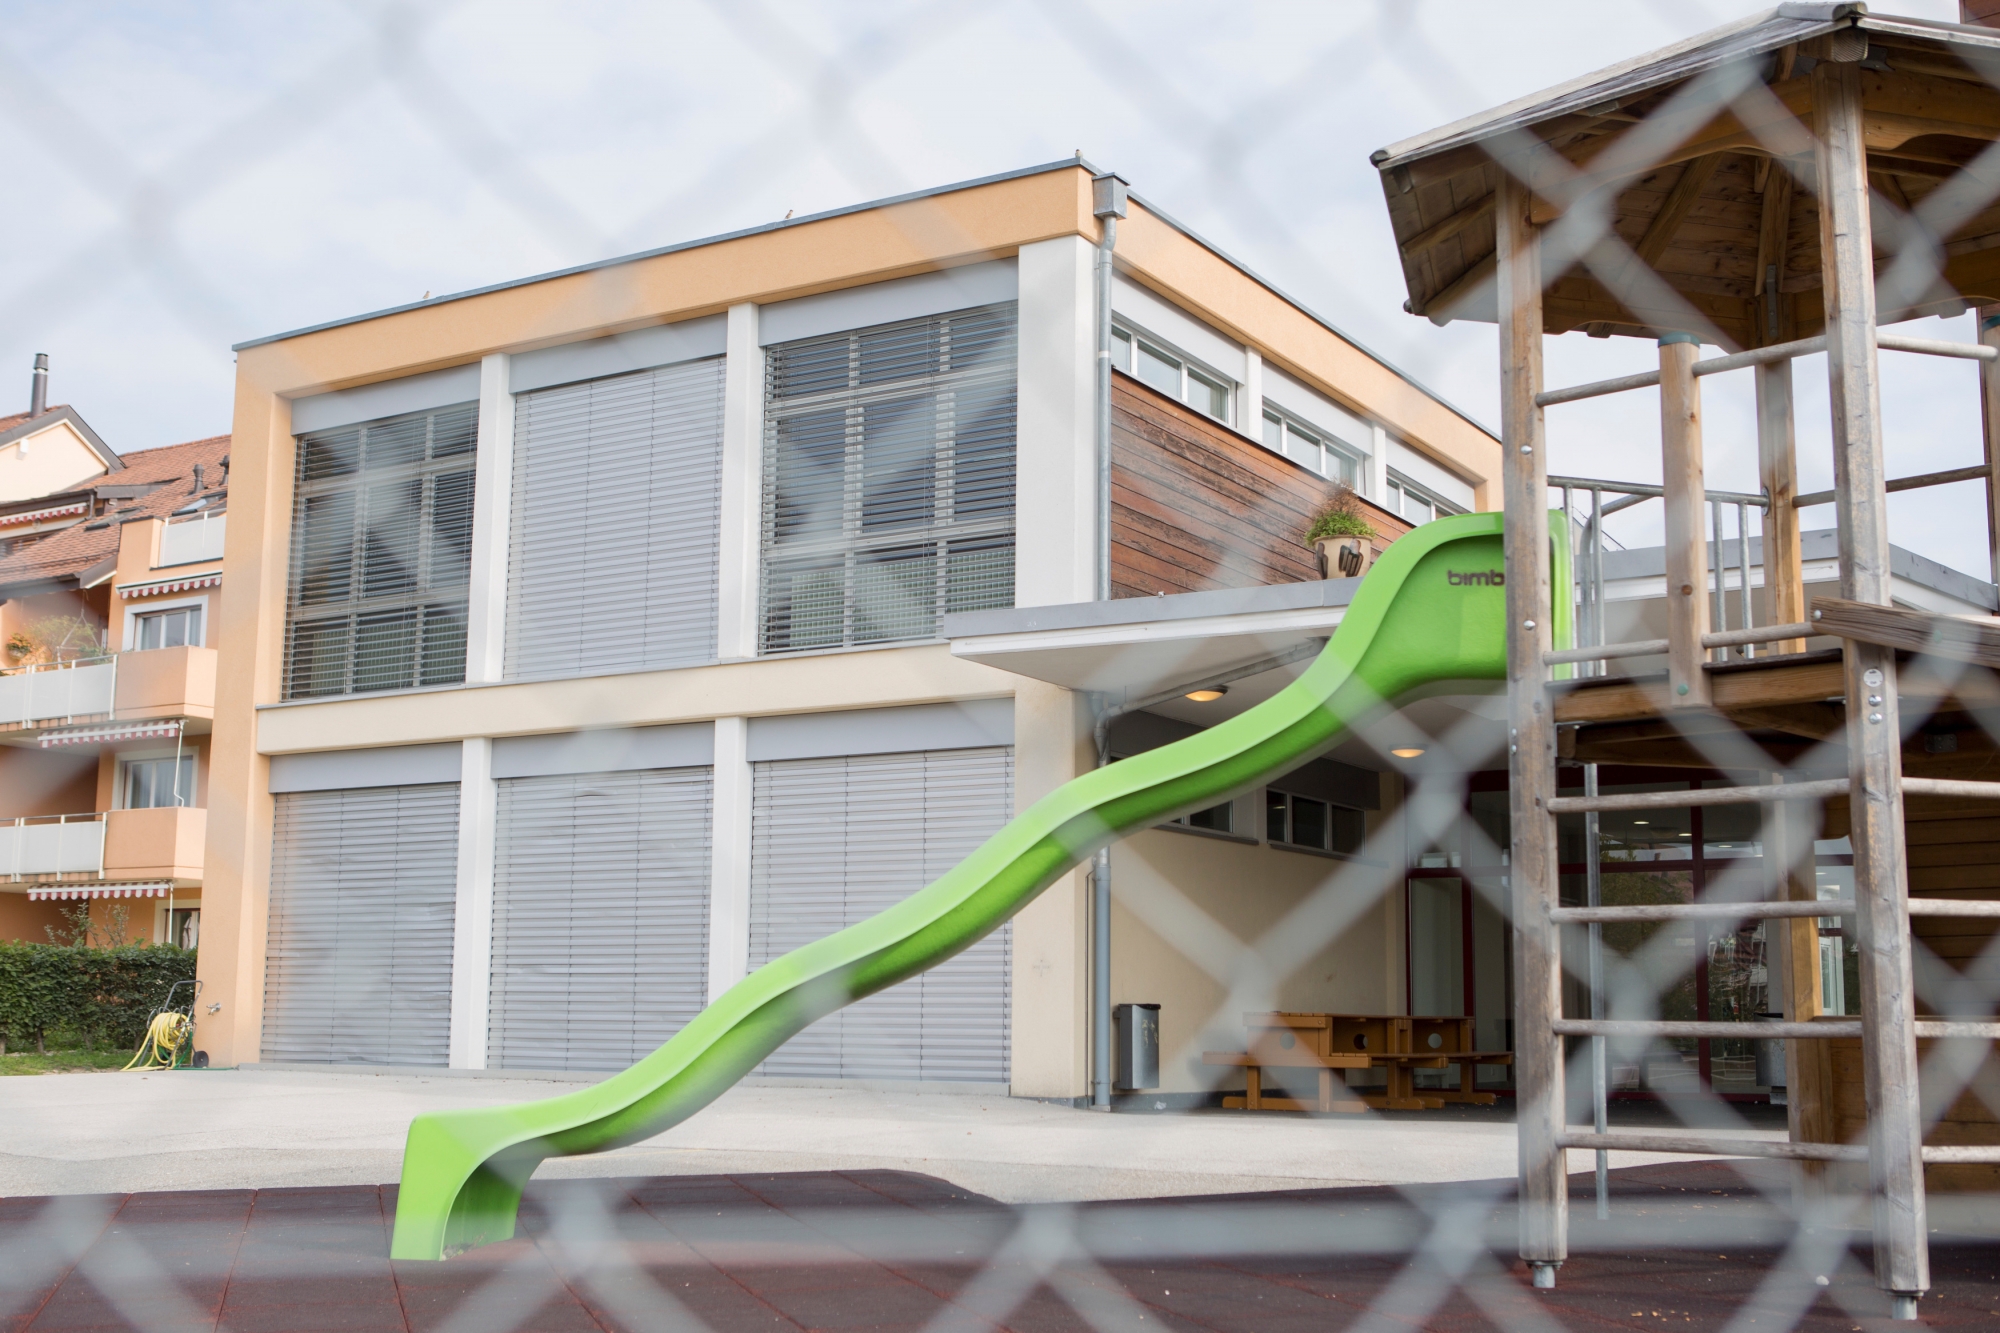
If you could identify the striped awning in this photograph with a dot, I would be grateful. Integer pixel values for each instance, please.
(171, 585)
(111, 731)
(158, 889)
(37, 515)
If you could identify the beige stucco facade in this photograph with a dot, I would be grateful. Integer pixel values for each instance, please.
(1040, 219)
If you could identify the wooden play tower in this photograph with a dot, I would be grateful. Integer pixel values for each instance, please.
(1774, 189)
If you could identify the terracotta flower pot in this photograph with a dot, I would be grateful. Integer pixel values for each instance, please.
(1344, 557)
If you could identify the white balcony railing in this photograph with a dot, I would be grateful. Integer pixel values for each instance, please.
(52, 845)
(195, 539)
(57, 690)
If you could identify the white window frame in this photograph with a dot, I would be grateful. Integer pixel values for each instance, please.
(1193, 369)
(126, 758)
(1400, 486)
(1319, 441)
(133, 612)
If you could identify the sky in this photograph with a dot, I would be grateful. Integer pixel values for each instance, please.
(192, 176)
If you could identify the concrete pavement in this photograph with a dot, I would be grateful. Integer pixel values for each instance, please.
(252, 1128)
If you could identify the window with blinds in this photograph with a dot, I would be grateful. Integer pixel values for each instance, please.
(615, 505)
(834, 841)
(888, 479)
(357, 963)
(600, 916)
(381, 554)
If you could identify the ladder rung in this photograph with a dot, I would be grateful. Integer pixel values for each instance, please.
(1606, 651)
(1977, 791)
(1629, 1027)
(1680, 800)
(1717, 1146)
(1706, 912)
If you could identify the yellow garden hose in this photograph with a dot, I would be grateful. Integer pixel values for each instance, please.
(165, 1036)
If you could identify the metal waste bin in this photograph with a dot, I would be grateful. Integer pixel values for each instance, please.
(1135, 1036)
(1771, 1061)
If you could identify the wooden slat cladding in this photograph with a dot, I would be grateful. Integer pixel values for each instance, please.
(1195, 506)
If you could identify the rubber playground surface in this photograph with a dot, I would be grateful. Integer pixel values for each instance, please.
(1688, 1245)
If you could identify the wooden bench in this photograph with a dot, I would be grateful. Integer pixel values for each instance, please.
(1394, 1043)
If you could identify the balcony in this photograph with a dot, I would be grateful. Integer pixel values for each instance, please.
(136, 686)
(164, 844)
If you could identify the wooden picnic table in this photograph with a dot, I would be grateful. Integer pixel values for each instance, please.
(1397, 1043)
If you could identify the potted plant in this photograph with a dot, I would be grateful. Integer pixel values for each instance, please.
(1341, 535)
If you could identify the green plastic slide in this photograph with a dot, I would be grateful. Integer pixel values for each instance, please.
(1432, 609)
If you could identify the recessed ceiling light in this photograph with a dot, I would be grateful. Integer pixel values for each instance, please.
(1209, 695)
(1408, 752)
(1642, 821)
(1684, 835)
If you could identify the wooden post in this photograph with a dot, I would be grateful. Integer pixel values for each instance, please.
(1989, 414)
(1788, 856)
(1777, 457)
(1531, 760)
(1881, 885)
(1686, 534)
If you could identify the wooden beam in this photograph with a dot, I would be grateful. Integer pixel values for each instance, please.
(1686, 526)
(1535, 876)
(1446, 228)
(1734, 687)
(1874, 750)
(1912, 631)
(1461, 291)
(1988, 318)
(1673, 210)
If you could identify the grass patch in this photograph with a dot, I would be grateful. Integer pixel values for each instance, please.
(62, 1062)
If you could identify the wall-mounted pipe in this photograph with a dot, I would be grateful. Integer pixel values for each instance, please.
(1107, 205)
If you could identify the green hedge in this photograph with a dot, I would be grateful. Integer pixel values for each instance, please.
(94, 996)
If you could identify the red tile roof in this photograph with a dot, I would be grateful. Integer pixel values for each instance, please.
(82, 545)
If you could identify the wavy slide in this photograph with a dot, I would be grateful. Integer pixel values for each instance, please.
(1432, 609)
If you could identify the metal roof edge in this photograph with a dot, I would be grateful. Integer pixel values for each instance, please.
(66, 412)
(1315, 317)
(1209, 602)
(1820, 544)
(1430, 141)
(1079, 163)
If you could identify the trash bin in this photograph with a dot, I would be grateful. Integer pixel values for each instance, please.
(1771, 1062)
(1135, 1036)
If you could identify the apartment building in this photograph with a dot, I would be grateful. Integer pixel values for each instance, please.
(597, 637)
(107, 690)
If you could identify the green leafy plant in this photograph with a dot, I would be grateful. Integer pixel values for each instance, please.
(1341, 516)
(74, 995)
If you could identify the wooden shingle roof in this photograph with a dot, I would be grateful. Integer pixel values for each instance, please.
(1701, 154)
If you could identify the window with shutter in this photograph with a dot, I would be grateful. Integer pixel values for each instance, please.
(381, 554)
(613, 546)
(834, 841)
(888, 479)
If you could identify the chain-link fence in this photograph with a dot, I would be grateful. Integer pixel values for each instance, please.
(1767, 1245)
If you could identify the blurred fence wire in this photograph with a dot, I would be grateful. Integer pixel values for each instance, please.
(1753, 1246)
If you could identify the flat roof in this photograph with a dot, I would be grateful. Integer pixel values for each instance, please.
(1064, 164)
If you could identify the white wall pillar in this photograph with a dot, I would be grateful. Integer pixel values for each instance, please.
(492, 512)
(741, 495)
(1055, 498)
(1378, 465)
(472, 921)
(1250, 402)
(729, 858)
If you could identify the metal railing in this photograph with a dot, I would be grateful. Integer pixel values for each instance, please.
(36, 845)
(59, 692)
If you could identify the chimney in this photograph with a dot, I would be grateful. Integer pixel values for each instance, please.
(38, 392)
(199, 484)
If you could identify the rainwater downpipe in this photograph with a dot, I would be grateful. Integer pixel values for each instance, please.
(1107, 205)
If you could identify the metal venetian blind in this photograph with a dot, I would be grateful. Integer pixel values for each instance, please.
(612, 565)
(381, 554)
(358, 960)
(888, 479)
(837, 840)
(600, 916)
